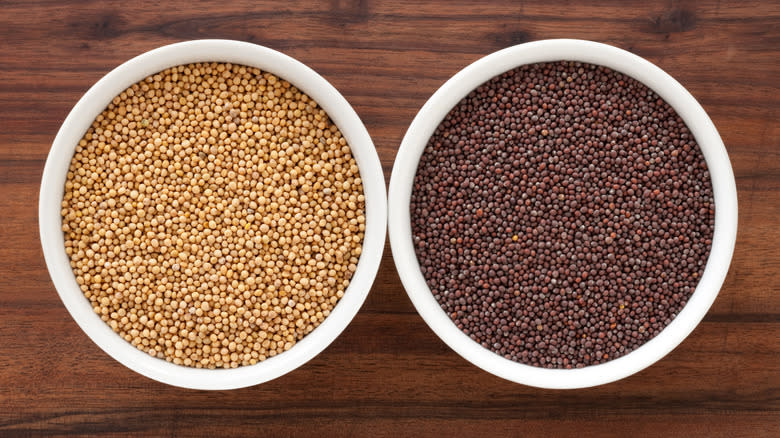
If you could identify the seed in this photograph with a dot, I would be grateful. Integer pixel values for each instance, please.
(609, 191)
(194, 225)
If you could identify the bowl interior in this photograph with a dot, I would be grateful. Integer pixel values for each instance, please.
(98, 97)
(439, 105)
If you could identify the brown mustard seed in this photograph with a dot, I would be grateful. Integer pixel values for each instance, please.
(213, 215)
(562, 214)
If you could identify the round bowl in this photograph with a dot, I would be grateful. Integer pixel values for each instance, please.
(439, 105)
(93, 103)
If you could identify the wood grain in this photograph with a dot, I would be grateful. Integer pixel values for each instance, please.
(388, 374)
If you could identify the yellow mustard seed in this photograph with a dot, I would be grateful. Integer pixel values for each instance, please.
(213, 215)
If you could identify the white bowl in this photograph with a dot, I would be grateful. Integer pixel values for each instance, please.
(434, 111)
(96, 100)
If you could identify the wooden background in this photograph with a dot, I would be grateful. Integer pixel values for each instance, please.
(388, 374)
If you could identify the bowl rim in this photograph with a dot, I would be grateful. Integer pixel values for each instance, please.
(475, 74)
(98, 97)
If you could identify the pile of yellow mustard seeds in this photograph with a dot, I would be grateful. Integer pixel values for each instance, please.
(213, 215)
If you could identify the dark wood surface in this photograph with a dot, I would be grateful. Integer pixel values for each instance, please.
(388, 374)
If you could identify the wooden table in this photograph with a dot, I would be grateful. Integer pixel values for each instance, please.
(388, 374)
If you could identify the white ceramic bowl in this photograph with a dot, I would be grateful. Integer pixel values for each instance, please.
(434, 111)
(95, 101)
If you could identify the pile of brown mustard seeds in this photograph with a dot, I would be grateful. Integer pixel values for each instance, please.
(213, 215)
(562, 214)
